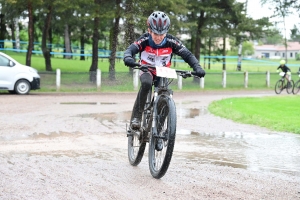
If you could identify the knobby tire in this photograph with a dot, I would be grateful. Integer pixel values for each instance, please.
(296, 87)
(290, 87)
(136, 145)
(159, 161)
(278, 86)
(136, 150)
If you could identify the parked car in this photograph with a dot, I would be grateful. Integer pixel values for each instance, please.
(17, 78)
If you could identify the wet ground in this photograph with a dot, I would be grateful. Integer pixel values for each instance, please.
(73, 146)
(248, 150)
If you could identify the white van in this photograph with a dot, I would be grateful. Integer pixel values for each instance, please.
(17, 78)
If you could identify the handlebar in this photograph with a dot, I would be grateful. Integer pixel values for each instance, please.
(183, 73)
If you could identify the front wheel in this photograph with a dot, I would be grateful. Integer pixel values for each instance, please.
(290, 87)
(296, 87)
(22, 87)
(161, 145)
(278, 86)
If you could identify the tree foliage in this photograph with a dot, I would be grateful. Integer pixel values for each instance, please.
(83, 22)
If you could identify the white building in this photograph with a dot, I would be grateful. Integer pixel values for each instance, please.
(277, 51)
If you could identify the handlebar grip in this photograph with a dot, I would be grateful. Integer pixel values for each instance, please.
(136, 64)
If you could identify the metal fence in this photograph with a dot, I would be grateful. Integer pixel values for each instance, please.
(125, 81)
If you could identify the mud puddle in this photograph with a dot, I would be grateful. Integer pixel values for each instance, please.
(254, 151)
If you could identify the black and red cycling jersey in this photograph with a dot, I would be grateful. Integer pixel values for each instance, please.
(160, 55)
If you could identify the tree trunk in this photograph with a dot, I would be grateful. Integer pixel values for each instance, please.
(239, 64)
(67, 42)
(198, 45)
(224, 52)
(209, 52)
(197, 50)
(198, 34)
(46, 52)
(193, 43)
(50, 39)
(112, 58)
(82, 41)
(2, 30)
(94, 66)
(198, 39)
(129, 32)
(30, 33)
(17, 34)
(13, 35)
(285, 40)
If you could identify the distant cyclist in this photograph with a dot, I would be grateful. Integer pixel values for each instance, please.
(285, 69)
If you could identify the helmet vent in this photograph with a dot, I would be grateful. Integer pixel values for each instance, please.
(158, 22)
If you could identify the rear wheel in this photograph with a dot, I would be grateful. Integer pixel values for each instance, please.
(136, 149)
(161, 145)
(290, 87)
(278, 86)
(137, 138)
(296, 87)
(136, 144)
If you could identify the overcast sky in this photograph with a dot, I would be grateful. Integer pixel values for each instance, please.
(256, 11)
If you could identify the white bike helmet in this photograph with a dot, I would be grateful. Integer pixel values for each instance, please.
(158, 22)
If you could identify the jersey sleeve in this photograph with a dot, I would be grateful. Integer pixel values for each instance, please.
(136, 47)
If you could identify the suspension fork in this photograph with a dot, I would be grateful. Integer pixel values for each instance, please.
(154, 117)
(163, 84)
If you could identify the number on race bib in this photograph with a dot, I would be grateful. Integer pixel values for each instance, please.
(166, 72)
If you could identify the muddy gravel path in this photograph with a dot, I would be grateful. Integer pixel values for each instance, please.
(73, 146)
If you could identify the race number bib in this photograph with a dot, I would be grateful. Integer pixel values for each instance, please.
(166, 72)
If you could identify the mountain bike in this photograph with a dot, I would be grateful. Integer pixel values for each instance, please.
(297, 85)
(281, 85)
(158, 124)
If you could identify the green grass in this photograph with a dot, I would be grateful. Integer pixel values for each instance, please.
(76, 65)
(279, 113)
(75, 75)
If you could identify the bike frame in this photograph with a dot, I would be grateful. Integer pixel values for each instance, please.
(158, 123)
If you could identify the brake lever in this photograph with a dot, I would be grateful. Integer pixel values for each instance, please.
(186, 74)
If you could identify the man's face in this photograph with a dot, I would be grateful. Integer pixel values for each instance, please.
(156, 37)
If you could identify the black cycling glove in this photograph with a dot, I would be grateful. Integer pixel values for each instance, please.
(130, 62)
(200, 72)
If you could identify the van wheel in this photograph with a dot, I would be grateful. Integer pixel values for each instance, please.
(22, 87)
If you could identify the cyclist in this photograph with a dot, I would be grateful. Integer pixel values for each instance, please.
(285, 69)
(155, 48)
